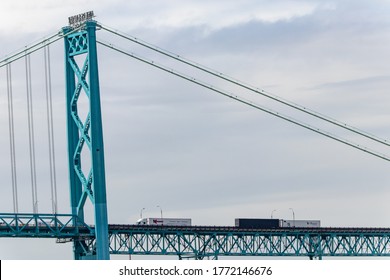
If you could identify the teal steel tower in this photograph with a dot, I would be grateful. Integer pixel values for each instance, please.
(85, 137)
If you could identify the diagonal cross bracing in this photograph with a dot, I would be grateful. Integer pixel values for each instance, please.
(85, 137)
(214, 242)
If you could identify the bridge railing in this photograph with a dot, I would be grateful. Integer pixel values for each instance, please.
(43, 225)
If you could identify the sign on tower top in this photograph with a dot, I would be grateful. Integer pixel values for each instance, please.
(77, 20)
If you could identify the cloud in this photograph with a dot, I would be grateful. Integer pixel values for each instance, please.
(183, 14)
(135, 14)
(200, 155)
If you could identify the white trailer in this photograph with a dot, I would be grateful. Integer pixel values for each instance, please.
(301, 223)
(165, 222)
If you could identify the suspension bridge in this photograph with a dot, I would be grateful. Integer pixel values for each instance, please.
(87, 167)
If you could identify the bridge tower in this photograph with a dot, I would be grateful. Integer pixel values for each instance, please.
(85, 138)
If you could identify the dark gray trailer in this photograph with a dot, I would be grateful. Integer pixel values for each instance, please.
(258, 223)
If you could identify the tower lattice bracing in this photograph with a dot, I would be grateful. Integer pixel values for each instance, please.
(85, 137)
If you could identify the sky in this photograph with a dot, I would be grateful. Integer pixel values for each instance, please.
(195, 153)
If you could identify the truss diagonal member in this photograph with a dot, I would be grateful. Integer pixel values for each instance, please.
(81, 75)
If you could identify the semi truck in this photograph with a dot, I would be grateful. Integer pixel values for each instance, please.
(275, 223)
(301, 223)
(164, 222)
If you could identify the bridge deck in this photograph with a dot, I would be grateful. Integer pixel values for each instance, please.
(203, 241)
(231, 229)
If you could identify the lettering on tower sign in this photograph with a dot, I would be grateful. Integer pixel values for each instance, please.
(77, 20)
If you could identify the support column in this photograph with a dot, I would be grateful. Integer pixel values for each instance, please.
(86, 135)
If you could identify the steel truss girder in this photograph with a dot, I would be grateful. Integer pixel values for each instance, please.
(214, 244)
(63, 227)
(198, 245)
(43, 226)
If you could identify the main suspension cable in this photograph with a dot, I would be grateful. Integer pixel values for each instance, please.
(37, 46)
(246, 86)
(247, 102)
(11, 129)
(31, 137)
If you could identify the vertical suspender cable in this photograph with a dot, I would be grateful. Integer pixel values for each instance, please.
(31, 137)
(50, 130)
(12, 139)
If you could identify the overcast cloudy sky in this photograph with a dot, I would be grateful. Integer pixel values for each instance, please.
(198, 154)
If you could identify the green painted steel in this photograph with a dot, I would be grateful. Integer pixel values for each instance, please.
(44, 226)
(85, 137)
(201, 244)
